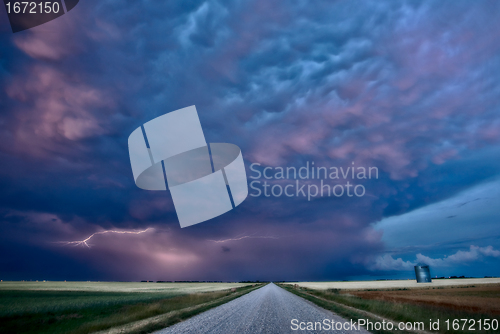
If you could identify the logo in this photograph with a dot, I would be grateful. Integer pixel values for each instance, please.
(205, 180)
(28, 14)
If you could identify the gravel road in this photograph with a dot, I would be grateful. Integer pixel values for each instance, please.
(269, 309)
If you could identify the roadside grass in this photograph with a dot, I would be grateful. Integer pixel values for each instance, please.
(79, 312)
(172, 318)
(396, 311)
(342, 311)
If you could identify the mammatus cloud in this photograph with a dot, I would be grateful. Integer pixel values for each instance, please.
(56, 110)
(409, 87)
(387, 262)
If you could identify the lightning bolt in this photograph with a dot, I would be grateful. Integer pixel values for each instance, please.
(85, 241)
(251, 236)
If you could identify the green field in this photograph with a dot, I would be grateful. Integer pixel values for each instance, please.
(86, 307)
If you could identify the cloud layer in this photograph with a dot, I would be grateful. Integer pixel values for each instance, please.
(387, 262)
(409, 87)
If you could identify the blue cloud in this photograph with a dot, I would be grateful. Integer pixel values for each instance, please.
(409, 87)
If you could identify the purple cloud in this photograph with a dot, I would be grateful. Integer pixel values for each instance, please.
(411, 88)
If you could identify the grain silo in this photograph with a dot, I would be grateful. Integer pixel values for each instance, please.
(423, 274)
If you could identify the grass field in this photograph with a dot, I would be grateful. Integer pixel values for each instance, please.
(395, 284)
(476, 302)
(118, 286)
(484, 299)
(85, 307)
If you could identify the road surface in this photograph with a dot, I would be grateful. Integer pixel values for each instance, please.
(269, 309)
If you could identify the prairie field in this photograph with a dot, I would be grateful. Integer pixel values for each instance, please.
(86, 307)
(471, 299)
(474, 299)
(395, 284)
(118, 286)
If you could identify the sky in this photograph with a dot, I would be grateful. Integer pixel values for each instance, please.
(411, 88)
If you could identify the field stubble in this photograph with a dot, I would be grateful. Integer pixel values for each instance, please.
(74, 307)
(409, 304)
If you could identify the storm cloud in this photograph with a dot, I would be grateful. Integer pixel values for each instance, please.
(409, 87)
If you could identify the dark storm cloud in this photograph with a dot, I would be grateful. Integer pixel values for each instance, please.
(410, 87)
